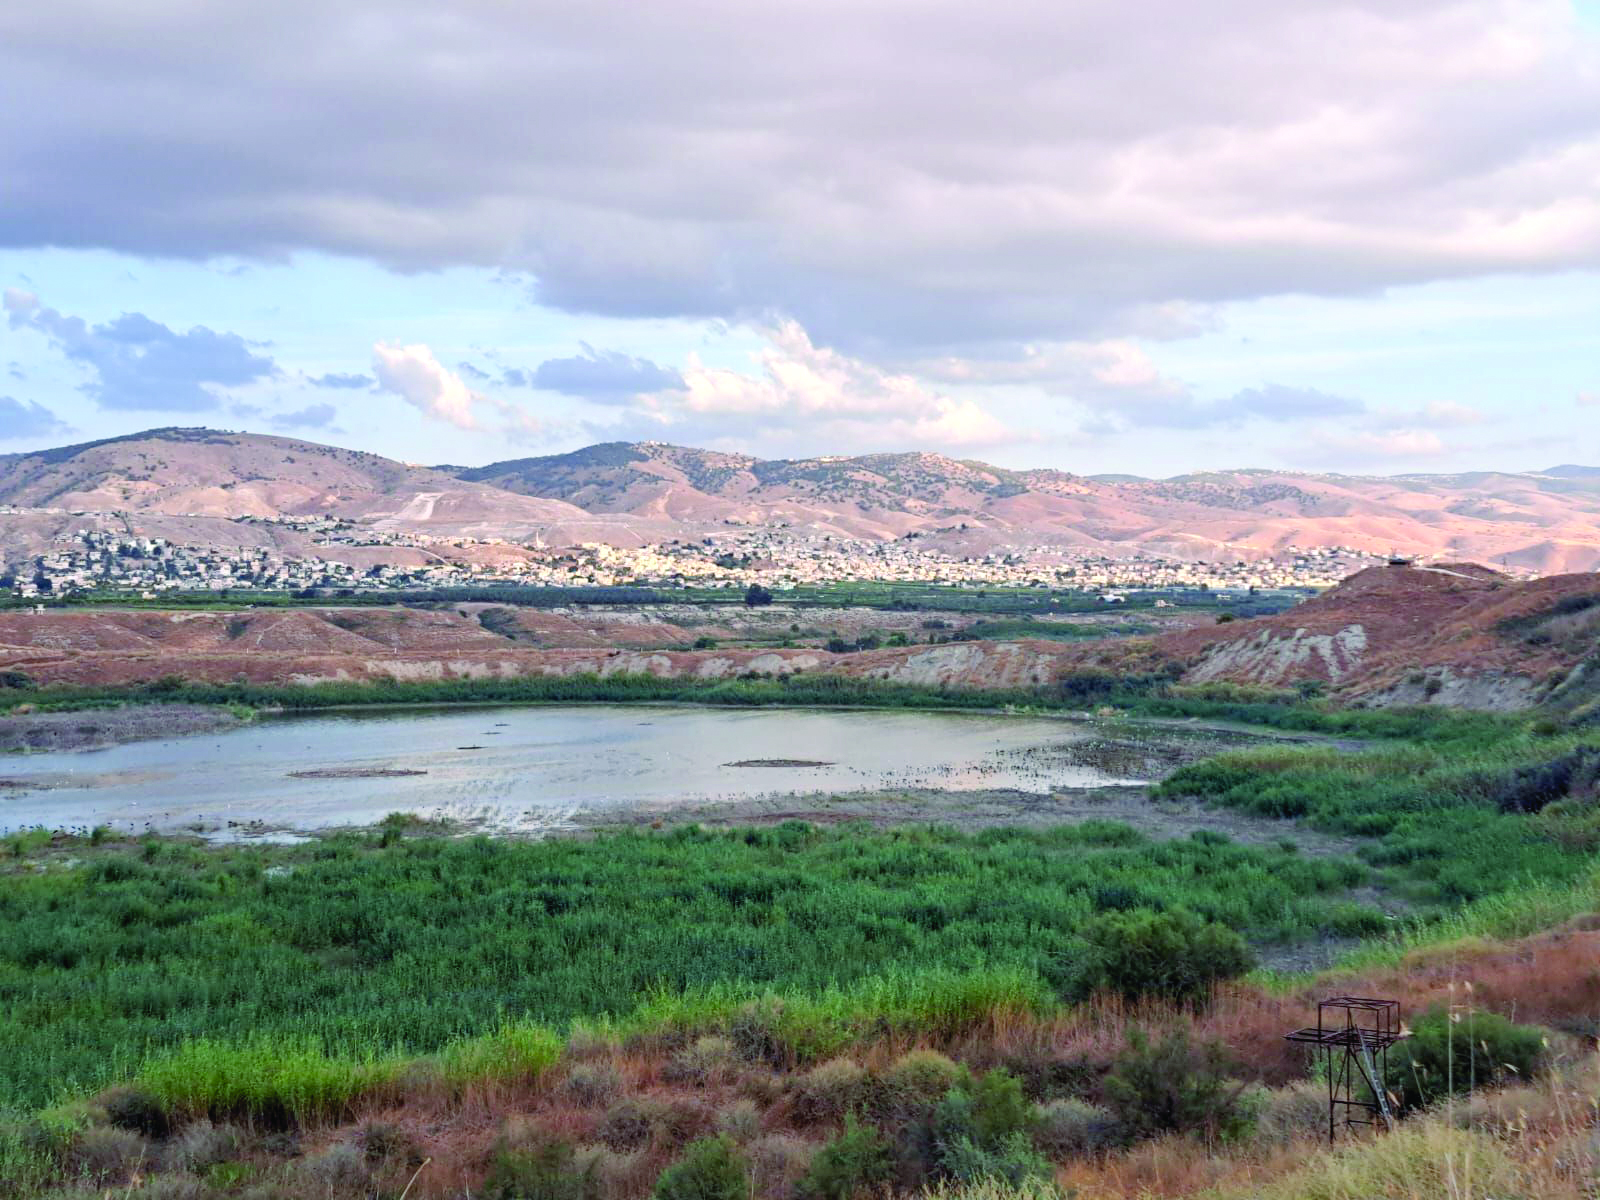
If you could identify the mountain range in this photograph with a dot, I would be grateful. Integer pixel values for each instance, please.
(632, 493)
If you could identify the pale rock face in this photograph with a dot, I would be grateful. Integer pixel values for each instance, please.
(1271, 658)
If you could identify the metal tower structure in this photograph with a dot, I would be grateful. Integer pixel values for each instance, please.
(1353, 1034)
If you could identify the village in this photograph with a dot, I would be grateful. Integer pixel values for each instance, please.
(91, 560)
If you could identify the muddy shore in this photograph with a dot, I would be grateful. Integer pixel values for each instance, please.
(95, 729)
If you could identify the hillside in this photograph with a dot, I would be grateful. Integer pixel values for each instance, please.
(1457, 634)
(1545, 522)
(207, 473)
(628, 494)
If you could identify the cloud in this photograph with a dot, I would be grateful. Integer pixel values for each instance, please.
(26, 419)
(473, 372)
(1588, 400)
(1441, 414)
(313, 416)
(140, 364)
(418, 378)
(808, 392)
(607, 376)
(343, 380)
(1071, 172)
(1369, 445)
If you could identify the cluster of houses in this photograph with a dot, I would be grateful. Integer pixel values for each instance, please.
(93, 559)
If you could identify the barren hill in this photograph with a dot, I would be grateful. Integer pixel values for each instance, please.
(207, 473)
(1457, 634)
(630, 493)
(1547, 521)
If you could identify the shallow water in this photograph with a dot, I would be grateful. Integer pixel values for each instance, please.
(527, 768)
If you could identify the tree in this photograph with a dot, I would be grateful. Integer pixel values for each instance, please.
(756, 596)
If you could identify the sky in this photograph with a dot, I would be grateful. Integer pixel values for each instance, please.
(1150, 237)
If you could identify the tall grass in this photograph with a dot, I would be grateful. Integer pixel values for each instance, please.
(1449, 813)
(370, 950)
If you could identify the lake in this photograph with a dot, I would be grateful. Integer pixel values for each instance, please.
(531, 768)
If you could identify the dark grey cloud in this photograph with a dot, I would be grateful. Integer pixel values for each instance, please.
(607, 376)
(141, 364)
(336, 379)
(26, 419)
(313, 416)
(897, 186)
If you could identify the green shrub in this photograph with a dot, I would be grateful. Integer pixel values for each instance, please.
(1173, 955)
(136, 1110)
(856, 1160)
(1011, 1160)
(1453, 1053)
(542, 1172)
(980, 1131)
(985, 1111)
(591, 1083)
(710, 1169)
(1175, 1086)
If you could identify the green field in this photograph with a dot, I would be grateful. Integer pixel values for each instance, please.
(374, 942)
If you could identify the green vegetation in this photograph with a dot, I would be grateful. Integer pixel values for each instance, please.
(934, 597)
(1177, 1086)
(370, 947)
(1449, 1053)
(1461, 816)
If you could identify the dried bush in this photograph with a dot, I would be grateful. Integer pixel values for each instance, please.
(339, 1170)
(707, 1060)
(1074, 1129)
(829, 1091)
(778, 1162)
(913, 1085)
(201, 1145)
(591, 1083)
(741, 1120)
(628, 1124)
(106, 1154)
(1284, 1114)
(383, 1143)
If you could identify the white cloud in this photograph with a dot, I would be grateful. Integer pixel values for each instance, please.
(1588, 400)
(1442, 414)
(1391, 444)
(821, 394)
(418, 378)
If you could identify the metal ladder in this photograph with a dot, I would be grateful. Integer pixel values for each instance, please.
(1369, 1069)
